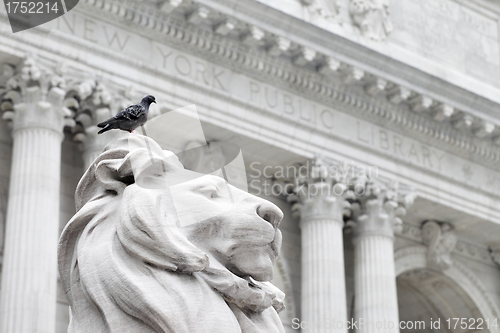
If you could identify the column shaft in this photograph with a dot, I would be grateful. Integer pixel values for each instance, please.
(28, 294)
(323, 279)
(376, 302)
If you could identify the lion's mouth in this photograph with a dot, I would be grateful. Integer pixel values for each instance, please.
(275, 246)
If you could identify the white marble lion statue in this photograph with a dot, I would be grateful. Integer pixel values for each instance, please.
(157, 248)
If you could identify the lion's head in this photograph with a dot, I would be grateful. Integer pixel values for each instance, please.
(157, 248)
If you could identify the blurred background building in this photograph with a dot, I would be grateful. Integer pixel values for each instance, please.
(404, 91)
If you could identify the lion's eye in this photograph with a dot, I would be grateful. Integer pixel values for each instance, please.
(210, 192)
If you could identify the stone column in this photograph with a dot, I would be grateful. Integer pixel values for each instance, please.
(91, 102)
(322, 203)
(28, 289)
(92, 143)
(374, 219)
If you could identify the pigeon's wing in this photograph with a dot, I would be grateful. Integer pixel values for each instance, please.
(136, 111)
(131, 113)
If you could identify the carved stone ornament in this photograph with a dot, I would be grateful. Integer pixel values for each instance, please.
(371, 17)
(318, 188)
(440, 240)
(323, 8)
(127, 264)
(33, 96)
(378, 207)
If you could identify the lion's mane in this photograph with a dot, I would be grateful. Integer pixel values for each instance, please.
(125, 266)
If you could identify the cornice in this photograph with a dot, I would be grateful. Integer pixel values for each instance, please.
(303, 33)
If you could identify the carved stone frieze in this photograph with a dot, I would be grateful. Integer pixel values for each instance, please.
(371, 17)
(327, 9)
(440, 240)
(411, 232)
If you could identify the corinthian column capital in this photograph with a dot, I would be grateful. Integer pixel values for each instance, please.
(319, 192)
(92, 102)
(33, 97)
(378, 207)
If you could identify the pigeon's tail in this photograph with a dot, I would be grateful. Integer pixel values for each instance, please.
(107, 125)
(104, 123)
(106, 128)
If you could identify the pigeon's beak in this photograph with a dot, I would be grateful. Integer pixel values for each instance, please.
(154, 102)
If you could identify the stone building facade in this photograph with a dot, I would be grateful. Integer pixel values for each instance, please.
(404, 91)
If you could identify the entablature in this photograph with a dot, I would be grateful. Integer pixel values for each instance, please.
(346, 100)
(336, 69)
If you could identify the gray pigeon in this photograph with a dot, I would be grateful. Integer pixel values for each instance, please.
(130, 118)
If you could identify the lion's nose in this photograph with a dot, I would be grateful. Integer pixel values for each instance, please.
(270, 212)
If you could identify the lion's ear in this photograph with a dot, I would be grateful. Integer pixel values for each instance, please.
(139, 166)
(114, 174)
(108, 172)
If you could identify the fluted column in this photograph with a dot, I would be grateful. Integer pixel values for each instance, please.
(322, 203)
(92, 143)
(93, 104)
(28, 292)
(374, 218)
